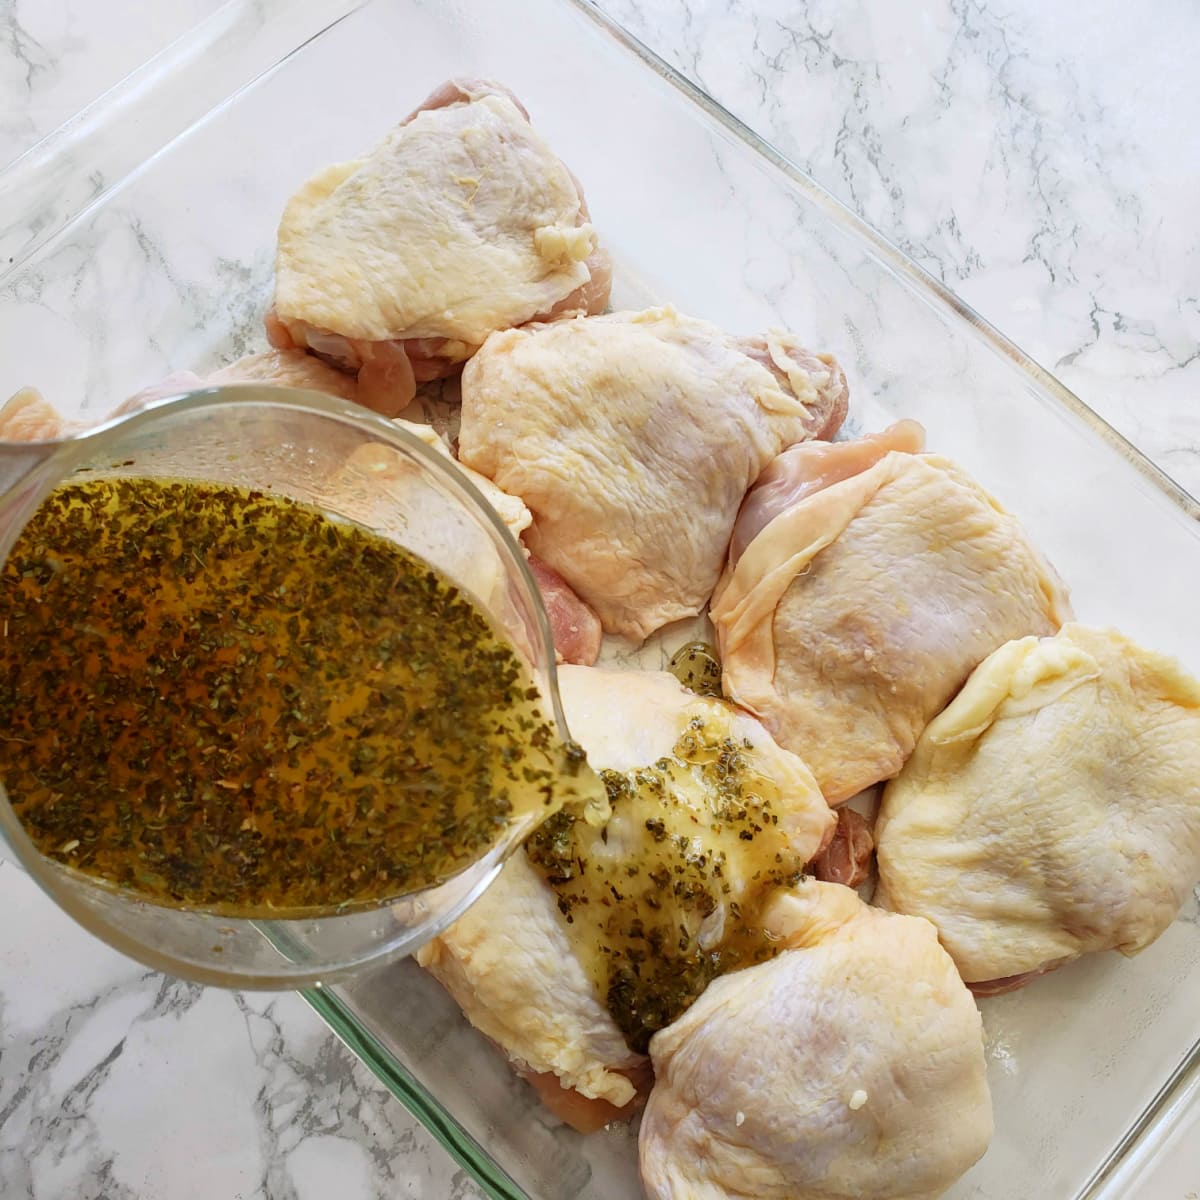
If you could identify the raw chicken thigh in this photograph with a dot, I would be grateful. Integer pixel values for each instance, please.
(287, 368)
(866, 581)
(509, 964)
(1052, 810)
(849, 1067)
(633, 438)
(27, 410)
(461, 222)
(28, 417)
(524, 969)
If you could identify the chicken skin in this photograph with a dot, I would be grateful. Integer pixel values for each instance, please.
(286, 368)
(533, 973)
(461, 222)
(1052, 810)
(866, 581)
(27, 416)
(633, 438)
(509, 964)
(849, 1067)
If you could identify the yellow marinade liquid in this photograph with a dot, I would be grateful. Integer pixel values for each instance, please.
(223, 699)
(666, 894)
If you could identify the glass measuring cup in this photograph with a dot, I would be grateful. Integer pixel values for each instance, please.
(351, 464)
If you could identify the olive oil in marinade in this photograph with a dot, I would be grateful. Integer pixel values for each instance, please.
(665, 895)
(224, 699)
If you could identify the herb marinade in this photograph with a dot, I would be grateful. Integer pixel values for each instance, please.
(224, 699)
(665, 896)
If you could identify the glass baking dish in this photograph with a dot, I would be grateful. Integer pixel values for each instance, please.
(139, 240)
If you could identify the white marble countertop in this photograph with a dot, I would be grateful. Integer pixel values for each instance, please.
(1042, 163)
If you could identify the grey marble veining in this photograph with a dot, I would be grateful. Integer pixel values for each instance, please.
(1041, 160)
(117, 1082)
(1043, 167)
(56, 57)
